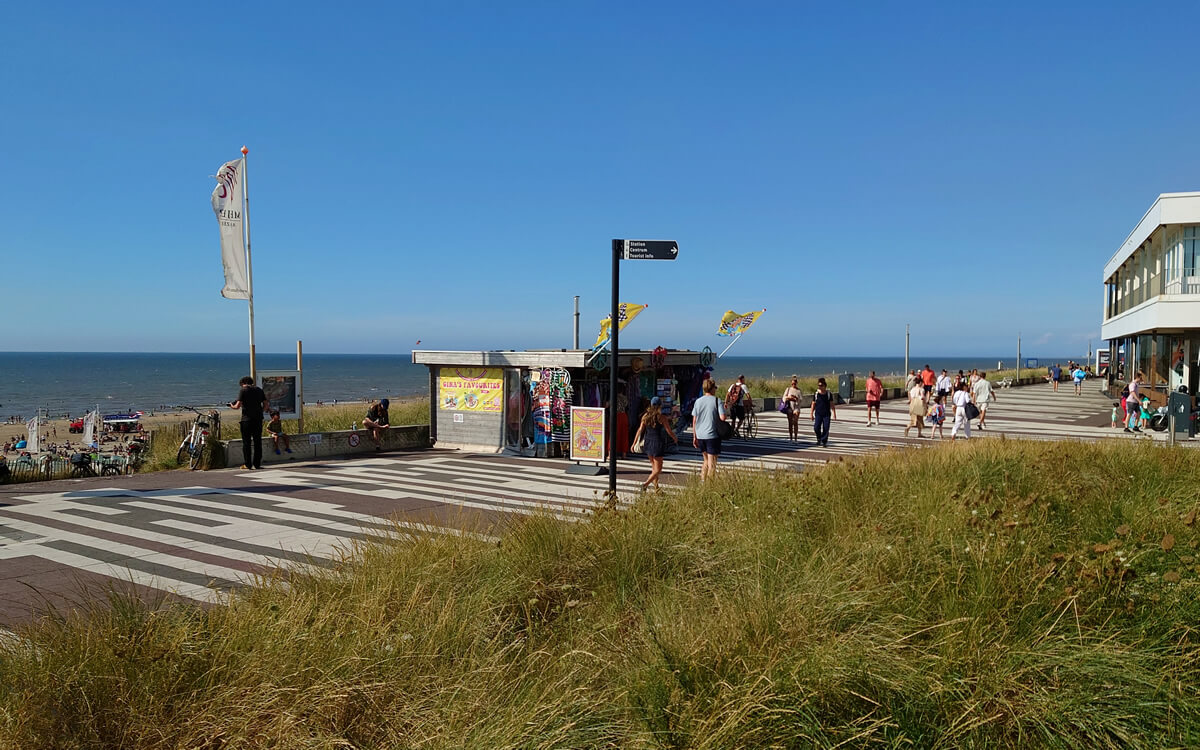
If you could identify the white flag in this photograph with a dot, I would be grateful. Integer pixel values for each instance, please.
(227, 205)
(89, 427)
(31, 441)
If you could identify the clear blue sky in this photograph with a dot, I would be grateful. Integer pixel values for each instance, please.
(453, 172)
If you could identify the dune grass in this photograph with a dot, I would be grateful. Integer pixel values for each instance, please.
(994, 594)
(325, 418)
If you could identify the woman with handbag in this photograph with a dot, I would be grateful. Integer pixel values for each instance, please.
(791, 407)
(651, 437)
(962, 402)
(916, 409)
(708, 424)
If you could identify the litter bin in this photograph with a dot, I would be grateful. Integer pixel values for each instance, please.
(1180, 407)
(846, 386)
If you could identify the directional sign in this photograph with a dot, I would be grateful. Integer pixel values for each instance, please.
(650, 250)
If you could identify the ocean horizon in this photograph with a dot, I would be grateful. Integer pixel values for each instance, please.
(73, 382)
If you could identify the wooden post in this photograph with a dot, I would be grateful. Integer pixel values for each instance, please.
(300, 386)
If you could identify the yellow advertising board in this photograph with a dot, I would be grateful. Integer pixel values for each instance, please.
(587, 433)
(471, 389)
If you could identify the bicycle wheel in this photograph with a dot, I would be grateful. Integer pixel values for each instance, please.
(185, 452)
(197, 452)
(751, 425)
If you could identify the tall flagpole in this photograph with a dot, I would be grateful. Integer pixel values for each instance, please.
(249, 268)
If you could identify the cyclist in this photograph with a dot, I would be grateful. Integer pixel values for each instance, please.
(735, 402)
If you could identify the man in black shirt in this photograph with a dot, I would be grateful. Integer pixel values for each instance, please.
(377, 421)
(253, 402)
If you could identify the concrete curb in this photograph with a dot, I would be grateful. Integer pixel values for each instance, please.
(340, 444)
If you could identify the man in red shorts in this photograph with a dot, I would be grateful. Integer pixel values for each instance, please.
(874, 396)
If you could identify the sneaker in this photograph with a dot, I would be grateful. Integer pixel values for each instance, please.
(277, 450)
(289, 450)
(1126, 429)
(1137, 429)
(247, 468)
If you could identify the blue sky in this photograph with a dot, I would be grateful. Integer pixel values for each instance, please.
(454, 172)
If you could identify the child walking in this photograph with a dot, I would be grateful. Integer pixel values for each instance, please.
(937, 416)
(1116, 405)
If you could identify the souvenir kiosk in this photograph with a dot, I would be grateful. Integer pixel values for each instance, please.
(520, 401)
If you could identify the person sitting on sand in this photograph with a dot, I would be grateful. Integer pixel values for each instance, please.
(377, 421)
(275, 429)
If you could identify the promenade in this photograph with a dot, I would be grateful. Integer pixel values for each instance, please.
(195, 536)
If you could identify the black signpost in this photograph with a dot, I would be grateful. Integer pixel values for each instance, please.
(629, 250)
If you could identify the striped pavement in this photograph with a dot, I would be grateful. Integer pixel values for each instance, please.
(195, 536)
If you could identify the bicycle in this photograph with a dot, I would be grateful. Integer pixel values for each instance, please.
(750, 424)
(192, 447)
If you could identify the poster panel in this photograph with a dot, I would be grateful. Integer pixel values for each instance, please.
(587, 433)
(471, 389)
(283, 390)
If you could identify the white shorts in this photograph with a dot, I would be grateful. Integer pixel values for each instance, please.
(983, 407)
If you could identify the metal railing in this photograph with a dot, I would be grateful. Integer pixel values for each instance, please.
(45, 468)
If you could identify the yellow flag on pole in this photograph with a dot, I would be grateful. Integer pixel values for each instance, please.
(626, 313)
(734, 323)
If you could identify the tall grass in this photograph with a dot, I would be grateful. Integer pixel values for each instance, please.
(995, 594)
(331, 418)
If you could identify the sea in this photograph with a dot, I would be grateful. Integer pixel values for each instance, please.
(71, 383)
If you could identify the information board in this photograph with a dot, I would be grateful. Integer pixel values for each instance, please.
(587, 433)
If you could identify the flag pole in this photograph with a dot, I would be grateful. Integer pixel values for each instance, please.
(249, 269)
(731, 343)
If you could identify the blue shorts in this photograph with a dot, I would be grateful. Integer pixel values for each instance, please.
(711, 446)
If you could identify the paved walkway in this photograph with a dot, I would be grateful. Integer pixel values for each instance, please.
(197, 535)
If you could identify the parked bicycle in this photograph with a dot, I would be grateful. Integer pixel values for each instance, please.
(192, 447)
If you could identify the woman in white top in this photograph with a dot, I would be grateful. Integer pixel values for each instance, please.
(791, 398)
(962, 397)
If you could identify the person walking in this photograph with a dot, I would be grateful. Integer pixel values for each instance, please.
(937, 417)
(874, 396)
(706, 412)
(961, 398)
(928, 380)
(916, 408)
(791, 400)
(1055, 375)
(1078, 376)
(253, 402)
(944, 386)
(912, 378)
(820, 411)
(654, 430)
(1133, 405)
(982, 393)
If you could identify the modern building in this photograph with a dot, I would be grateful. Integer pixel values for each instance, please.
(1152, 298)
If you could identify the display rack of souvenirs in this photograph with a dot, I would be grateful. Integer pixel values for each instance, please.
(551, 393)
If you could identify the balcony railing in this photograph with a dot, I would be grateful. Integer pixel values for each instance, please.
(1155, 286)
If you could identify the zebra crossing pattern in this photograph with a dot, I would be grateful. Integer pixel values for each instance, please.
(197, 536)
